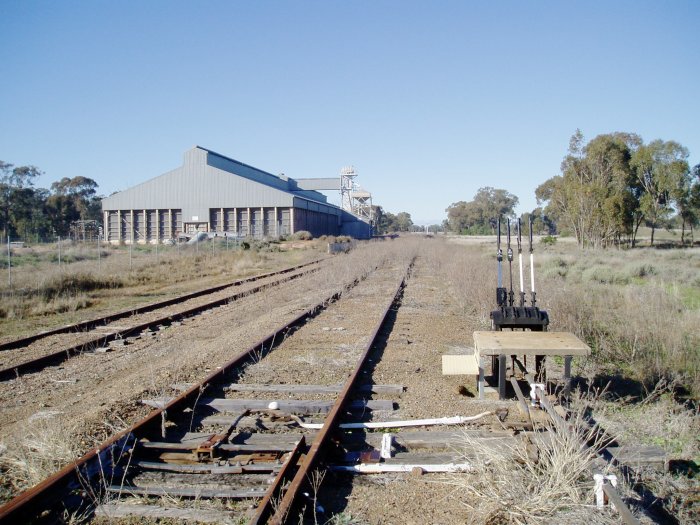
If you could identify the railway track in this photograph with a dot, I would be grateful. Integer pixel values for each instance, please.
(96, 333)
(251, 444)
(226, 459)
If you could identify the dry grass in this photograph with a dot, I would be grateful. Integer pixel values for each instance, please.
(41, 289)
(515, 485)
(47, 444)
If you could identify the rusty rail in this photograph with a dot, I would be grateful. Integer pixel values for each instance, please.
(84, 326)
(317, 450)
(77, 480)
(63, 354)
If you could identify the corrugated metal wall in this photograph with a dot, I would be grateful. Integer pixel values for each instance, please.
(212, 192)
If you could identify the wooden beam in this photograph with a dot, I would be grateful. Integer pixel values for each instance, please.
(125, 510)
(315, 389)
(529, 343)
(288, 406)
(187, 492)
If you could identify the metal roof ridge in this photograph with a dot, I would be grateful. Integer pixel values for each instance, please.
(243, 163)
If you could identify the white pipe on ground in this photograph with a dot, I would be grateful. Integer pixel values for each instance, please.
(380, 468)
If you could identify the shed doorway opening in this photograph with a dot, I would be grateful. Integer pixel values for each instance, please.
(194, 227)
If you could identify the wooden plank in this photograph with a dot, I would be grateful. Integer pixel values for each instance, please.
(164, 477)
(207, 468)
(191, 445)
(124, 510)
(523, 405)
(187, 492)
(396, 390)
(466, 364)
(529, 343)
(288, 406)
(640, 456)
(425, 439)
(620, 506)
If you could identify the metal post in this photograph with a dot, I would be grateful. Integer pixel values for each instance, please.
(59, 252)
(131, 245)
(501, 376)
(9, 263)
(99, 258)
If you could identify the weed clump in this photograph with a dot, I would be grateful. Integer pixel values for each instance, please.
(302, 235)
(544, 481)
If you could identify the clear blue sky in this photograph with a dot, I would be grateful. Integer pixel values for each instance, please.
(428, 100)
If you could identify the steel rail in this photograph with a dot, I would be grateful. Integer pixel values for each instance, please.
(315, 455)
(76, 479)
(63, 354)
(98, 321)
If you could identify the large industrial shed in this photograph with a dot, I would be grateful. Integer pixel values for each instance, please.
(213, 193)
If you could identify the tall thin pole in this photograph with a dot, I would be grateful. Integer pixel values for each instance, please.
(9, 263)
(520, 260)
(509, 253)
(131, 245)
(532, 269)
(499, 254)
(99, 257)
(59, 252)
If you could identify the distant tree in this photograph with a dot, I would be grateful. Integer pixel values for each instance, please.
(659, 168)
(403, 221)
(83, 192)
(687, 200)
(386, 222)
(476, 215)
(15, 189)
(541, 223)
(595, 196)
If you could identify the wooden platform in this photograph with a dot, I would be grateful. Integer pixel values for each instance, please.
(529, 343)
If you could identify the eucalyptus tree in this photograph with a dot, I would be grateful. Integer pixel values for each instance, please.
(659, 168)
(476, 215)
(687, 201)
(595, 196)
(15, 186)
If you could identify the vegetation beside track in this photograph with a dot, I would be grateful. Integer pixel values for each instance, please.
(44, 294)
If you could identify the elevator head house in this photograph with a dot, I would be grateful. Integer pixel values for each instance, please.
(218, 195)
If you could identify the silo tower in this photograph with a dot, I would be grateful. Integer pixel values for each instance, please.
(347, 184)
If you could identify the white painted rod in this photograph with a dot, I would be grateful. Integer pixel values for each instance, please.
(380, 468)
(522, 285)
(532, 272)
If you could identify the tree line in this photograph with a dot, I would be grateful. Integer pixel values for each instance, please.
(607, 189)
(615, 183)
(39, 214)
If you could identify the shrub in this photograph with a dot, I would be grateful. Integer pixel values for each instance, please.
(548, 240)
(642, 270)
(604, 275)
(302, 235)
(74, 284)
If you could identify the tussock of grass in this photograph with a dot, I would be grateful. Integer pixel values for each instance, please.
(545, 482)
(42, 447)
